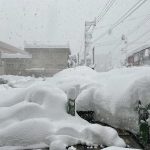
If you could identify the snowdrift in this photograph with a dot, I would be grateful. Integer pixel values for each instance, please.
(117, 148)
(39, 116)
(34, 110)
(113, 95)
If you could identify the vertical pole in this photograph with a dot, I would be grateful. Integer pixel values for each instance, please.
(93, 55)
(85, 44)
(78, 59)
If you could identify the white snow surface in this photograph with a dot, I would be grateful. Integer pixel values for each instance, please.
(117, 148)
(16, 55)
(34, 109)
(113, 95)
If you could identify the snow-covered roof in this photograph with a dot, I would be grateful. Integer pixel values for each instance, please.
(4, 47)
(137, 50)
(39, 44)
(16, 55)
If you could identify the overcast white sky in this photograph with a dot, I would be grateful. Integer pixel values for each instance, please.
(45, 20)
(63, 20)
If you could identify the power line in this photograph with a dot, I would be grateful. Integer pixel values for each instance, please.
(122, 18)
(138, 38)
(131, 19)
(135, 18)
(111, 44)
(140, 25)
(129, 12)
(103, 10)
(134, 42)
(107, 8)
(147, 19)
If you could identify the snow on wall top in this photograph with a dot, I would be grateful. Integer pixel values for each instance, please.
(17, 55)
(39, 44)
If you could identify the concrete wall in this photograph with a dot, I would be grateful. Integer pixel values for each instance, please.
(15, 66)
(48, 61)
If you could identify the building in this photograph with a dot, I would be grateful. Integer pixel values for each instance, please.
(139, 57)
(15, 64)
(1, 67)
(47, 59)
(6, 49)
(35, 59)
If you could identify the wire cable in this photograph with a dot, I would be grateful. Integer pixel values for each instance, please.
(103, 10)
(129, 13)
(106, 10)
(140, 25)
(138, 38)
(129, 20)
(122, 18)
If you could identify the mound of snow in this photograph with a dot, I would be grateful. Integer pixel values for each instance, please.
(77, 71)
(39, 116)
(117, 148)
(113, 96)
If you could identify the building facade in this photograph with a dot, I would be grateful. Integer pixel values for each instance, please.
(139, 57)
(1, 67)
(15, 64)
(47, 59)
(6, 49)
(35, 60)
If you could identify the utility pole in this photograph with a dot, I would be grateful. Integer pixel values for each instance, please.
(89, 25)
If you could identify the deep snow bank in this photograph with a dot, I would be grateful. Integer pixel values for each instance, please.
(117, 148)
(39, 116)
(112, 95)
